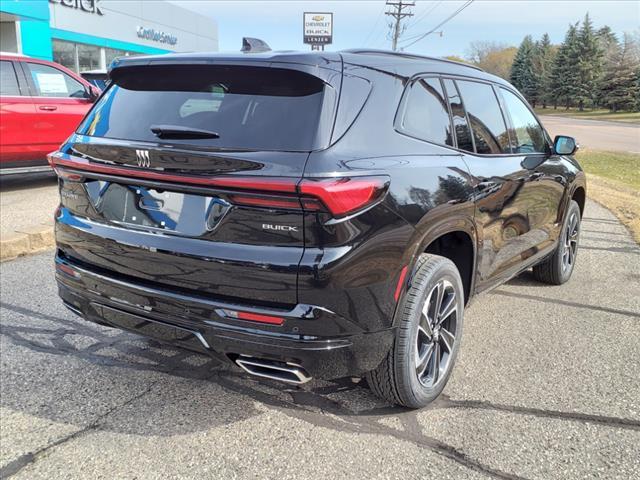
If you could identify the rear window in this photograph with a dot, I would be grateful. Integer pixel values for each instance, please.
(247, 107)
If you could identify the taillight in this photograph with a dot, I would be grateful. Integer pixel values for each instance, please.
(69, 176)
(339, 196)
(265, 201)
(343, 195)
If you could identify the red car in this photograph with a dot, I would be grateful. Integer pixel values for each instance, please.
(41, 104)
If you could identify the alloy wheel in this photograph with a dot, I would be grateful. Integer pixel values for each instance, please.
(570, 242)
(436, 335)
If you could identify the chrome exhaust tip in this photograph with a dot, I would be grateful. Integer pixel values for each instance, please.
(284, 372)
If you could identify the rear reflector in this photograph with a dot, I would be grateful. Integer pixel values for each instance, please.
(252, 317)
(61, 267)
(403, 275)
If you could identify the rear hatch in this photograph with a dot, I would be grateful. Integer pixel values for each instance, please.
(185, 176)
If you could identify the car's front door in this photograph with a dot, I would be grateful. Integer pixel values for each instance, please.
(60, 101)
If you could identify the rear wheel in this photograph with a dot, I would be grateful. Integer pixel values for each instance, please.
(558, 268)
(418, 366)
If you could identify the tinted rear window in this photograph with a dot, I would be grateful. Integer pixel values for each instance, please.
(460, 125)
(487, 124)
(248, 107)
(426, 115)
(8, 79)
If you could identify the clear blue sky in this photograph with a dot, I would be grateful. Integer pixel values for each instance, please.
(363, 23)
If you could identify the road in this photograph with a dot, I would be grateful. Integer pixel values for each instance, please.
(596, 134)
(546, 387)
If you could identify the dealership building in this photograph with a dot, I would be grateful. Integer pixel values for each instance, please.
(87, 34)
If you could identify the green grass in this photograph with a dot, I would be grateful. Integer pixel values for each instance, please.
(617, 166)
(626, 117)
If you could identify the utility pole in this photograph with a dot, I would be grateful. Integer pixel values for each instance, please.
(398, 13)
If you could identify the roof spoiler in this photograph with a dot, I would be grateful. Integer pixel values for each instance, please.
(254, 45)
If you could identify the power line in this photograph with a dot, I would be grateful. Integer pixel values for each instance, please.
(366, 42)
(420, 37)
(426, 12)
(398, 14)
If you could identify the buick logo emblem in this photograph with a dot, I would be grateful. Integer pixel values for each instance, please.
(142, 158)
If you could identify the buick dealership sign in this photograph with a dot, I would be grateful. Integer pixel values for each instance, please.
(318, 28)
(156, 35)
(89, 6)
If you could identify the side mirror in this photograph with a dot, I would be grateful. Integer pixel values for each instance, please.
(92, 93)
(563, 145)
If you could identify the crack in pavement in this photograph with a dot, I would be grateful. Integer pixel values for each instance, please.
(311, 406)
(27, 459)
(366, 425)
(568, 303)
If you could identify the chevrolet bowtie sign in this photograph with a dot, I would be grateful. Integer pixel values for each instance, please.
(318, 28)
(89, 6)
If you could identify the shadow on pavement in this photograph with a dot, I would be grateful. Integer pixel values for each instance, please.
(25, 182)
(200, 393)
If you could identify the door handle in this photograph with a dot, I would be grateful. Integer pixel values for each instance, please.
(48, 108)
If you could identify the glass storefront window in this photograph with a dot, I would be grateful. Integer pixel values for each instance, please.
(81, 57)
(111, 53)
(88, 57)
(64, 53)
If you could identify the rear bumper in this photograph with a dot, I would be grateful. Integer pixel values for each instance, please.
(323, 343)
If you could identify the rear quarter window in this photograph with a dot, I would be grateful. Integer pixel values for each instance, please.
(425, 114)
(248, 107)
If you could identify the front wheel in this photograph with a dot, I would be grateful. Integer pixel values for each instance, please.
(420, 362)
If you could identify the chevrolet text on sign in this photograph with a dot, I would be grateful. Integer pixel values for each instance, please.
(318, 28)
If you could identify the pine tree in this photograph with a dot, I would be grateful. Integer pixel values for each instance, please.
(542, 64)
(564, 75)
(610, 48)
(589, 64)
(523, 76)
(619, 86)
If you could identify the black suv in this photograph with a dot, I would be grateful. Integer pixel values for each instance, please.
(310, 214)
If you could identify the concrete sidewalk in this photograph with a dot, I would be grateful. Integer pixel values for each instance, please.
(26, 215)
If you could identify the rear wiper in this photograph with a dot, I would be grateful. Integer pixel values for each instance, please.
(178, 132)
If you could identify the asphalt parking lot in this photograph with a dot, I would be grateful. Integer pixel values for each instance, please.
(546, 386)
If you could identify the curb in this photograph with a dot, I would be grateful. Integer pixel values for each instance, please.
(25, 241)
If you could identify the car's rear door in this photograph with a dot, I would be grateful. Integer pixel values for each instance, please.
(61, 102)
(511, 207)
(17, 112)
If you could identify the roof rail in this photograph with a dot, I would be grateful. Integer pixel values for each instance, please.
(373, 51)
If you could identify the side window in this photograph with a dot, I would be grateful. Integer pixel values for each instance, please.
(460, 125)
(8, 79)
(527, 132)
(426, 115)
(487, 124)
(51, 82)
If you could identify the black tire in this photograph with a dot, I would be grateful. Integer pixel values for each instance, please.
(557, 269)
(397, 379)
